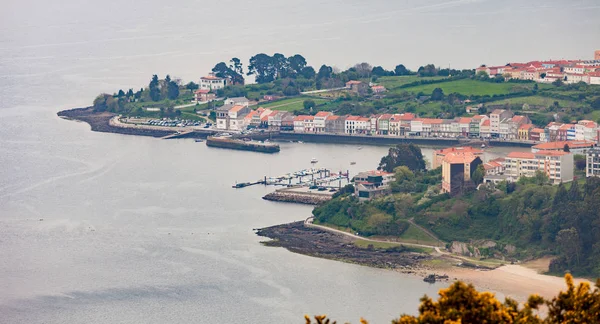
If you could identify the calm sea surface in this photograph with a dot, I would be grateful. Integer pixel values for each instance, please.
(104, 228)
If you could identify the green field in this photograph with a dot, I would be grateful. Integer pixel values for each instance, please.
(364, 244)
(537, 101)
(414, 234)
(291, 104)
(391, 82)
(470, 87)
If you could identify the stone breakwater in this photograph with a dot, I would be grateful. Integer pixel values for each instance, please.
(307, 198)
(314, 242)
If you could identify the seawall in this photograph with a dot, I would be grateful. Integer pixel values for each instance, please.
(364, 140)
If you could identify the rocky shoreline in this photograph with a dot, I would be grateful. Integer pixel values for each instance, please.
(298, 238)
(297, 197)
(100, 122)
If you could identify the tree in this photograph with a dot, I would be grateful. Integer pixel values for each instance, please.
(192, 86)
(236, 66)
(100, 102)
(296, 63)
(308, 72)
(580, 161)
(308, 104)
(478, 174)
(566, 148)
(570, 245)
(403, 154)
(363, 69)
(596, 103)
(379, 71)
(263, 67)
(401, 70)
(172, 88)
(428, 70)
(437, 94)
(558, 83)
(154, 88)
(324, 72)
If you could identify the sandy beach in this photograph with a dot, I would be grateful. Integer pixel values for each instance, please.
(515, 281)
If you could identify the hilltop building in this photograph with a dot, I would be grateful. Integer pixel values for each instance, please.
(372, 184)
(557, 165)
(438, 155)
(457, 169)
(212, 82)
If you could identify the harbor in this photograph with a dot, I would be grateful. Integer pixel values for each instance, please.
(314, 178)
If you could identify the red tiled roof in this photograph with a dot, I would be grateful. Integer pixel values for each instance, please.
(459, 158)
(353, 118)
(537, 130)
(521, 155)
(464, 149)
(236, 108)
(486, 123)
(201, 91)
(211, 77)
(322, 114)
(552, 153)
(332, 117)
(464, 120)
(526, 126)
(561, 144)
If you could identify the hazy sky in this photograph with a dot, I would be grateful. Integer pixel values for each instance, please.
(115, 43)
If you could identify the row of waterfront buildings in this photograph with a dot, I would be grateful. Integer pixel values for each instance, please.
(502, 124)
(460, 163)
(568, 71)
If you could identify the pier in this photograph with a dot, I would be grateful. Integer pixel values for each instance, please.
(313, 177)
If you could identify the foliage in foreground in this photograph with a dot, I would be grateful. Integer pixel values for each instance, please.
(462, 304)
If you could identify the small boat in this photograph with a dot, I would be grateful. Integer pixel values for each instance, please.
(314, 160)
(482, 145)
(352, 163)
(198, 140)
(300, 142)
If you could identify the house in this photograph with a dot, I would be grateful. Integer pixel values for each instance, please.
(592, 163)
(270, 97)
(494, 167)
(299, 124)
(357, 87)
(287, 123)
(496, 117)
(372, 184)
(557, 165)
(586, 130)
(594, 77)
(275, 119)
(383, 124)
(236, 117)
(485, 129)
(212, 82)
(231, 117)
(438, 155)
(378, 89)
(357, 125)
(537, 135)
(319, 121)
(335, 124)
(551, 131)
(475, 125)
(523, 131)
(464, 124)
(204, 95)
(222, 116)
(576, 147)
(240, 101)
(457, 169)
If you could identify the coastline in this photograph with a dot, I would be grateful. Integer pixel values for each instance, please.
(102, 122)
(511, 280)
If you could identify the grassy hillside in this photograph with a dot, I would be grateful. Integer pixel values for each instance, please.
(471, 87)
(291, 104)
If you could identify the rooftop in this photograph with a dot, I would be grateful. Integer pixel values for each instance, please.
(521, 155)
(561, 144)
(463, 149)
(459, 158)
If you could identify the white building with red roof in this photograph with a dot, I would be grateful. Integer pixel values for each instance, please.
(212, 82)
